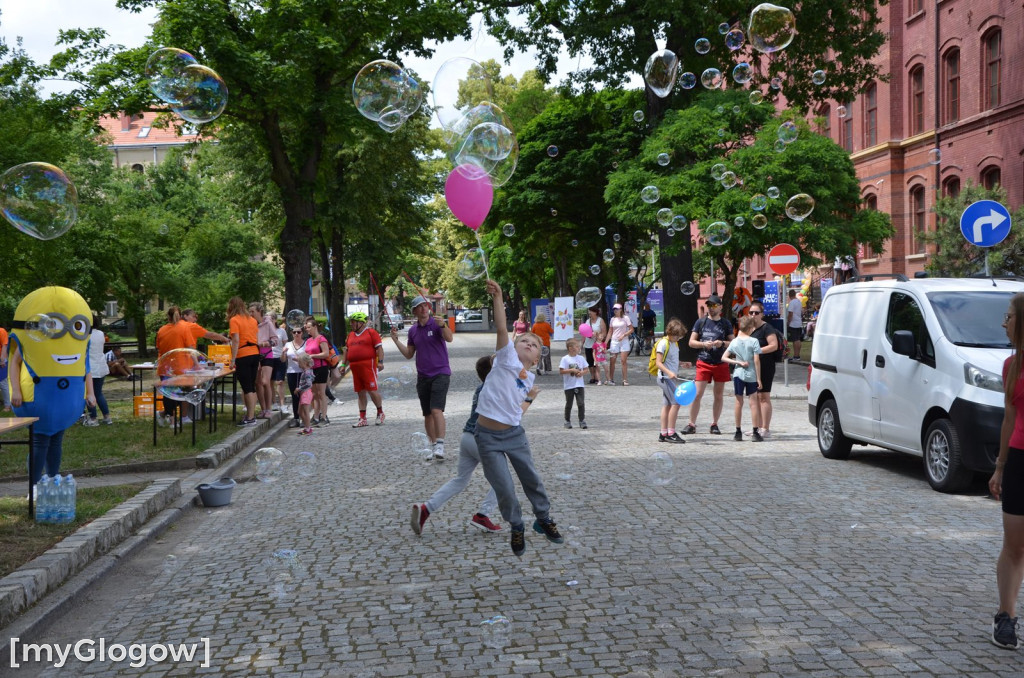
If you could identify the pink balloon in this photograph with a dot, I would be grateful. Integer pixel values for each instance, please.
(586, 331)
(469, 193)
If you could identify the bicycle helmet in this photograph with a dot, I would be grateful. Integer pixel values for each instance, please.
(358, 315)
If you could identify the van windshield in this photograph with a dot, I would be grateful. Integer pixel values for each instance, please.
(972, 318)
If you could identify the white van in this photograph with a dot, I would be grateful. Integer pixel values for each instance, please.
(914, 366)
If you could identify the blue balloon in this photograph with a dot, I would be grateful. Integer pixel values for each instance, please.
(686, 392)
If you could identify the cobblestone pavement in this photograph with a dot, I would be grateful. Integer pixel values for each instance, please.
(752, 560)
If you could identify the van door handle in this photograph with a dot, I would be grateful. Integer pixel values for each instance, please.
(863, 358)
(879, 361)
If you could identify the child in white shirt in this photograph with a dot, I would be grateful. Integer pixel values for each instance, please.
(572, 368)
(744, 352)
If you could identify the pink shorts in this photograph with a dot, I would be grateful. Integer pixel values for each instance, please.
(307, 397)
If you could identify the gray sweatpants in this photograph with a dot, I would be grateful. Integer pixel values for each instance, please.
(511, 444)
(468, 459)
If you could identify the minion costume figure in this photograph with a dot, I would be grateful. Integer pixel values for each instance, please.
(49, 369)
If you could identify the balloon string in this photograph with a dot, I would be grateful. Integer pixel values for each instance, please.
(483, 254)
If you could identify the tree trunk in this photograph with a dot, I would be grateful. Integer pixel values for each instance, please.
(675, 270)
(339, 325)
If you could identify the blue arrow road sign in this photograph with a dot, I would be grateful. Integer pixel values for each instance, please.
(985, 223)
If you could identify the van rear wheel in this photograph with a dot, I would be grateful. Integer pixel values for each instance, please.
(943, 459)
(831, 441)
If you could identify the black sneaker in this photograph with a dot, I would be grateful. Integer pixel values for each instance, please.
(1004, 631)
(756, 437)
(688, 429)
(245, 422)
(583, 425)
(736, 436)
(715, 430)
(674, 438)
(662, 438)
(568, 425)
(549, 530)
(518, 542)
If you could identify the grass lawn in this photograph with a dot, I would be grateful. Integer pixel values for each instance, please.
(129, 439)
(22, 539)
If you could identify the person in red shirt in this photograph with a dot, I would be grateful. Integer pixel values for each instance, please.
(364, 352)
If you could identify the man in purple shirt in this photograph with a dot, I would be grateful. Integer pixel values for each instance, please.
(427, 341)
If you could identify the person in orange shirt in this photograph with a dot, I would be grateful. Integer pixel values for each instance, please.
(543, 330)
(175, 334)
(199, 332)
(245, 354)
(5, 395)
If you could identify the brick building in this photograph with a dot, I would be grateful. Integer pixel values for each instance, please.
(134, 142)
(956, 84)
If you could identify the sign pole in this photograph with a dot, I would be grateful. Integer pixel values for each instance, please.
(784, 299)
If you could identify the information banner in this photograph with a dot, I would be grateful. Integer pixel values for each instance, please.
(771, 297)
(563, 323)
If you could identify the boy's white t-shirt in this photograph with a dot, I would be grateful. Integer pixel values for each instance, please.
(570, 362)
(504, 389)
(669, 351)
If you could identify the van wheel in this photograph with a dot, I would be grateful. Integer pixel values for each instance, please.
(943, 461)
(831, 441)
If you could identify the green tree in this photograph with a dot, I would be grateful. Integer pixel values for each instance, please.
(954, 256)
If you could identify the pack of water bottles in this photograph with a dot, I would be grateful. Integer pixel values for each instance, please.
(56, 499)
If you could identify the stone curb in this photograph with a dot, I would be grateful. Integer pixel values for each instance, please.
(92, 551)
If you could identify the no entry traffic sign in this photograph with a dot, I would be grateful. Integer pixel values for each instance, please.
(783, 259)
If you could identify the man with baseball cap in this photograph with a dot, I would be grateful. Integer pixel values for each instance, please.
(711, 335)
(428, 342)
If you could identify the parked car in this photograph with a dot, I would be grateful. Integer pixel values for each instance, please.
(122, 326)
(913, 366)
(392, 320)
(469, 317)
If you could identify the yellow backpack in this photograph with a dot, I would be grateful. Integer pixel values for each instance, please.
(652, 364)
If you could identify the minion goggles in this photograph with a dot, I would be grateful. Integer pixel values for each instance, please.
(56, 325)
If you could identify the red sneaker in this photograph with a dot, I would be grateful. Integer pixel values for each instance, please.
(420, 513)
(482, 522)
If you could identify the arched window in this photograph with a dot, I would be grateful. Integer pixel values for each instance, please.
(917, 100)
(993, 68)
(917, 220)
(870, 203)
(951, 187)
(826, 120)
(138, 167)
(951, 76)
(848, 128)
(870, 115)
(991, 177)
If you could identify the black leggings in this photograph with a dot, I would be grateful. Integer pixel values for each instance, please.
(293, 383)
(576, 393)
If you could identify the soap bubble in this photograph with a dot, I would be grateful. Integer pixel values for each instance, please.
(41, 327)
(164, 71)
(702, 45)
(799, 207)
(471, 266)
(788, 132)
(720, 109)
(588, 296)
(170, 563)
(602, 230)
(717, 170)
(481, 138)
(935, 156)
(509, 230)
(608, 255)
(734, 39)
(615, 165)
(738, 222)
(679, 223)
(771, 27)
(841, 111)
(687, 288)
(455, 77)
(728, 179)
(659, 469)
(554, 212)
(385, 93)
(295, 319)
(723, 28)
(650, 194)
(779, 146)
(688, 80)
(206, 96)
(717, 233)
(184, 375)
(552, 151)
(638, 115)
(285, 572)
(390, 388)
(773, 192)
(664, 159)
(665, 216)
(711, 78)
(496, 632)
(721, 131)
(38, 199)
(421, 447)
(575, 243)
(776, 82)
(616, 237)
(594, 269)
(670, 231)
(755, 97)
(305, 464)
(268, 462)
(407, 375)
(758, 202)
(660, 72)
(759, 221)
(818, 77)
(735, 110)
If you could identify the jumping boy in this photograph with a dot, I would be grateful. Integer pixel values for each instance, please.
(500, 438)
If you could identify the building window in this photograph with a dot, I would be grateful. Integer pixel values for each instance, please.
(917, 215)
(915, 6)
(991, 177)
(871, 115)
(144, 132)
(826, 121)
(848, 129)
(993, 68)
(137, 167)
(951, 187)
(951, 66)
(917, 100)
(870, 203)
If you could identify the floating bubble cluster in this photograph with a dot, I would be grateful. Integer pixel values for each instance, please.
(384, 92)
(771, 28)
(482, 143)
(588, 296)
(184, 375)
(799, 207)
(660, 72)
(194, 92)
(38, 199)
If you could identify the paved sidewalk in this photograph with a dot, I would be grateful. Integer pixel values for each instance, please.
(743, 559)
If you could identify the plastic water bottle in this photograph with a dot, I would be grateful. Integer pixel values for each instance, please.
(55, 497)
(71, 486)
(42, 491)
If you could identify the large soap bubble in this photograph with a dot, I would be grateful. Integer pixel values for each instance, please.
(759, 221)
(587, 297)
(268, 462)
(717, 233)
(38, 199)
(799, 207)
(660, 72)
(206, 95)
(711, 78)
(471, 266)
(458, 85)
(608, 255)
(758, 202)
(717, 170)
(688, 80)
(702, 45)
(734, 39)
(650, 194)
(665, 216)
(384, 92)
(771, 27)
(728, 179)
(482, 137)
(496, 632)
(165, 72)
(788, 132)
(773, 192)
(742, 72)
(390, 388)
(687, 288)
(659, 466)
(184, 375)
(295, 319)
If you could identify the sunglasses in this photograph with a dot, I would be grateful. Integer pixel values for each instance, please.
(755, 313)
(713, 305)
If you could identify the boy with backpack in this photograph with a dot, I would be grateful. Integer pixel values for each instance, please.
(665, 356)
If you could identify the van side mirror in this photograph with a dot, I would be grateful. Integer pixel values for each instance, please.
(903, 343)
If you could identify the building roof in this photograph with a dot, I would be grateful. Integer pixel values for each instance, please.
(128, 131)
